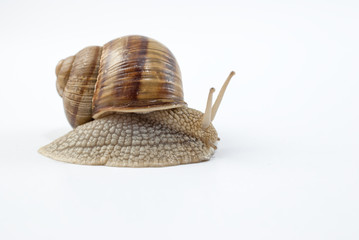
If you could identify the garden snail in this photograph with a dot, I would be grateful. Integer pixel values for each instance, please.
(125, 102)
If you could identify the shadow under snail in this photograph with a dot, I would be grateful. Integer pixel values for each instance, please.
(125, 103)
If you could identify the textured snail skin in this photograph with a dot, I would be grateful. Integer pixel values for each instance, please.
(156, 139)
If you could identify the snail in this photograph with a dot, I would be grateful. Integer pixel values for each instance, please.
(125, 103)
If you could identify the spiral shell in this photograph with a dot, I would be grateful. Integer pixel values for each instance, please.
(128, 74)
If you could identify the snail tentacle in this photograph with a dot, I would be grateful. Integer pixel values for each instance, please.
(220, 96)
(207, 114)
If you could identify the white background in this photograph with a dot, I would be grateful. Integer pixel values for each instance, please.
(287, 163)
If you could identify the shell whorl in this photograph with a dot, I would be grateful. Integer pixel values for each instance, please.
(137, 74)
(76, 84)
(63, 69)
(127, 74)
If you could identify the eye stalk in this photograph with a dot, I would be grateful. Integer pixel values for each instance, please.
(207, 114)
(210, 112)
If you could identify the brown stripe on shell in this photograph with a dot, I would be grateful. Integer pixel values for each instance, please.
(135, 57)
(141, 75)
(103, 70)
(80, 86)
(164, 78)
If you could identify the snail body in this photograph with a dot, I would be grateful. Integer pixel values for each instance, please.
(125, 102)
(156, 139)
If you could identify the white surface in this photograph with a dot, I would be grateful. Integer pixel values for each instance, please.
(286, 167)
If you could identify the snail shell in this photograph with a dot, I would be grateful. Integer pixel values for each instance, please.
(128, 74)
